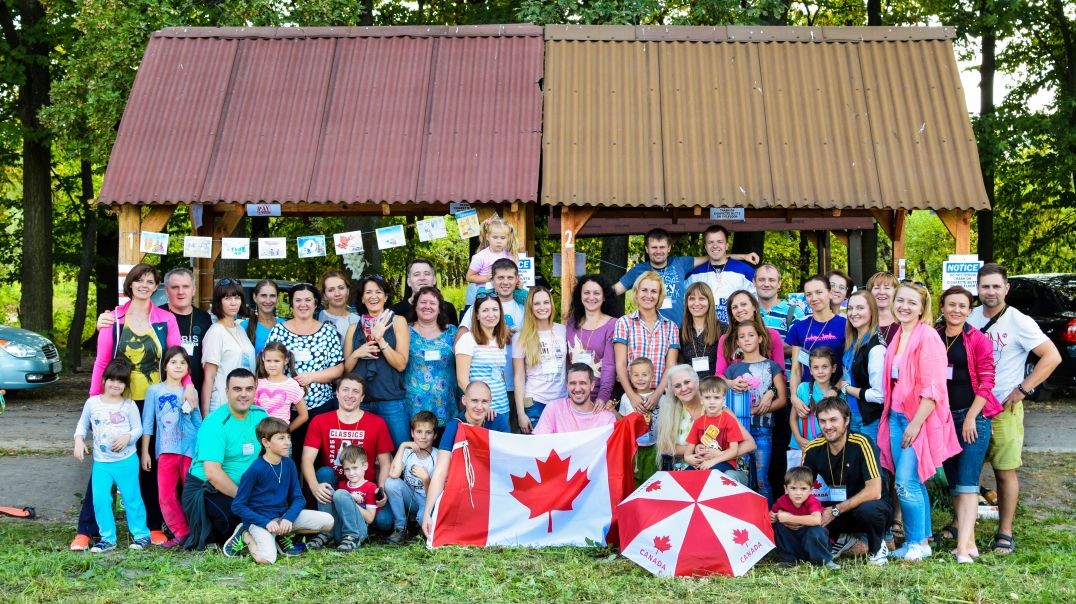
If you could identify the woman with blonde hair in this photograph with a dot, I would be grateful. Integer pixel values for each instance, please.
(539, 353)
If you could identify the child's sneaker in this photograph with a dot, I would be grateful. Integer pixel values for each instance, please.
(319, 541)
(141, 543)
(288, 546)
(398, 536)
(880, 557)
(102, 546)
(831, 565)
(349, 544)
(80, 543)
(235, 544)
(175, 542)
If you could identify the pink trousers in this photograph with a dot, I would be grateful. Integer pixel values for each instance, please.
(172, 471)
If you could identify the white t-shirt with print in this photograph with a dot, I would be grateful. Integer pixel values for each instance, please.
(1014, 335)
(546, 380)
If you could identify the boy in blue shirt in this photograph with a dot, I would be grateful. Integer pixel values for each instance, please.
(269, 502)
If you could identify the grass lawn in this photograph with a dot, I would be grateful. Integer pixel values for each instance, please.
(36, 567)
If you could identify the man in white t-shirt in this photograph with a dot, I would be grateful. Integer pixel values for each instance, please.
(1014, 335)
(505, 281)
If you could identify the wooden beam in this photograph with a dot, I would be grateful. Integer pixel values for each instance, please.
(203, 267)
(521, 217)
(157, 218)
(130, 223)
(898, 239)
(841, 236)
(571, 220)
(958, 223)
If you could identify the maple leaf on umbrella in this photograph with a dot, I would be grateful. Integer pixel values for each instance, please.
(662, 544)
(552, 491)
(654, 486)
(728, 482)
(739, 536)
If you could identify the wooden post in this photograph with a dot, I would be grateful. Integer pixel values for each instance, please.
(572, 219)
(892, 222)
(958, 223)
(521, 217)
(855, 256)
(130, 223)
(203, 267)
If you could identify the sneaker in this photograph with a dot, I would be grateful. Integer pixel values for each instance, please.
(141, 543)
(319, 541)
(349, 543)
(880, 557)
(80, 543)
(175, 542)
(831, 565)
(288, 546)
(398, 536)
(235, 544)
(917, 552)
(158, 537)
(900, 552)
(102, 546)
(843, 543)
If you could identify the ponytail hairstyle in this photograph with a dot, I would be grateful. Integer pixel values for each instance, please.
(496, 222)
(289, 359)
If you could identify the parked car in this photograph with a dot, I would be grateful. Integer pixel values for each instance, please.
(1050, 299)
(27, 360)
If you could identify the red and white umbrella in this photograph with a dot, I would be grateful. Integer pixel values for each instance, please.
(694, 523)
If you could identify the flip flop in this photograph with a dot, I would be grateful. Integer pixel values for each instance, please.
(27, 512)
(948, 533)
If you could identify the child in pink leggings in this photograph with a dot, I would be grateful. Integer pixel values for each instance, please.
(175, 422)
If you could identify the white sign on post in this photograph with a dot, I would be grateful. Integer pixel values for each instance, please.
(728, 214)
(526, 271)
(263, 209)
(963, 271)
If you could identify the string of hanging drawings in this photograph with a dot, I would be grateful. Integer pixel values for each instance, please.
(310, 246)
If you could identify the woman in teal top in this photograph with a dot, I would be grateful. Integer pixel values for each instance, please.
(264, 319)
(430, 376)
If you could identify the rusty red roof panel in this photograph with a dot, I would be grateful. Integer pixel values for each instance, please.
(432, 114)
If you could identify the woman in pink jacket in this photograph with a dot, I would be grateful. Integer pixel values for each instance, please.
(916, 433)
(970, 355)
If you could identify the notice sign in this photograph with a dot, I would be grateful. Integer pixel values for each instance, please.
(263, 209)
(526, 271)
(728, 214)
(962, 271)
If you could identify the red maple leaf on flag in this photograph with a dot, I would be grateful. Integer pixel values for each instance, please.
(662, 544)
(728, 482)
(817, 485)
(654, 486)
(739, 536)
(552, 491)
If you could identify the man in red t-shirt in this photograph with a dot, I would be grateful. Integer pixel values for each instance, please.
(328, 434)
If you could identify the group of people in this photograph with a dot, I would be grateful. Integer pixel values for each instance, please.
(859, 390)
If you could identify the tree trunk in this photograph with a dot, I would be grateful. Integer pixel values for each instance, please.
(85, 268)
(749, 241)
(35, 308)
(805, 259)
(614, 256)
(367, 18)
(988, 162)
(874, 12)
(105, 261)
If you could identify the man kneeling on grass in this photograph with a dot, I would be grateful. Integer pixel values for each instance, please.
(270, 501)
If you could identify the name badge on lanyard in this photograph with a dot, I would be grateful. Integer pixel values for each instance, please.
(838, 494)
(584, 356)
(949, 372)
(432, 355)
(302, 355)
(666, 304)
(894, 372)
(700, 364)
(248, 448)
(804, 357)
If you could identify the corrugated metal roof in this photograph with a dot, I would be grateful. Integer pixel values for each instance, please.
(759, 117)
(428, 114)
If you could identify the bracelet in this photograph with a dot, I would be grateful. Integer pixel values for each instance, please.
(1027, 393)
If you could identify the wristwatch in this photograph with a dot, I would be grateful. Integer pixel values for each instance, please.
(836, 511)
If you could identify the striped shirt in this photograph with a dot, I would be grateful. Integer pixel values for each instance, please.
(487, 366)
(642, 341)
(859, 459)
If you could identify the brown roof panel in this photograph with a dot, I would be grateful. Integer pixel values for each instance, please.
(772, 117)
(371, 143)
(602, 125)
(159, 160)
(353, 115)
(484, 139)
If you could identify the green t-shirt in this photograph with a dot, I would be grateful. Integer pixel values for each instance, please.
(228, 441)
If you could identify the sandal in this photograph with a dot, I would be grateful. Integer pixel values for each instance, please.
(897, 530)
(1004, 544)
(947, 533)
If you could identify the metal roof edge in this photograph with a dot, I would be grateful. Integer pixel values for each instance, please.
(758, 33)
(401, 31)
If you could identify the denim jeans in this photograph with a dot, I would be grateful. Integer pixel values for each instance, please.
(345, 512)
(395, 414)
(962, 470)
(764, 440)
(807, 543)
(405, 502)
(871, 430)
(534, 413)
(912, 493)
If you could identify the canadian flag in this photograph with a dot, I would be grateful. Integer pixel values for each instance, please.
(535, 491)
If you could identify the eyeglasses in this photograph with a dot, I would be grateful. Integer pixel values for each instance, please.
(913, 282)
(840, 287)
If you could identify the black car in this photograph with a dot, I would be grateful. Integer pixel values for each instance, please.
(1051, 301)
